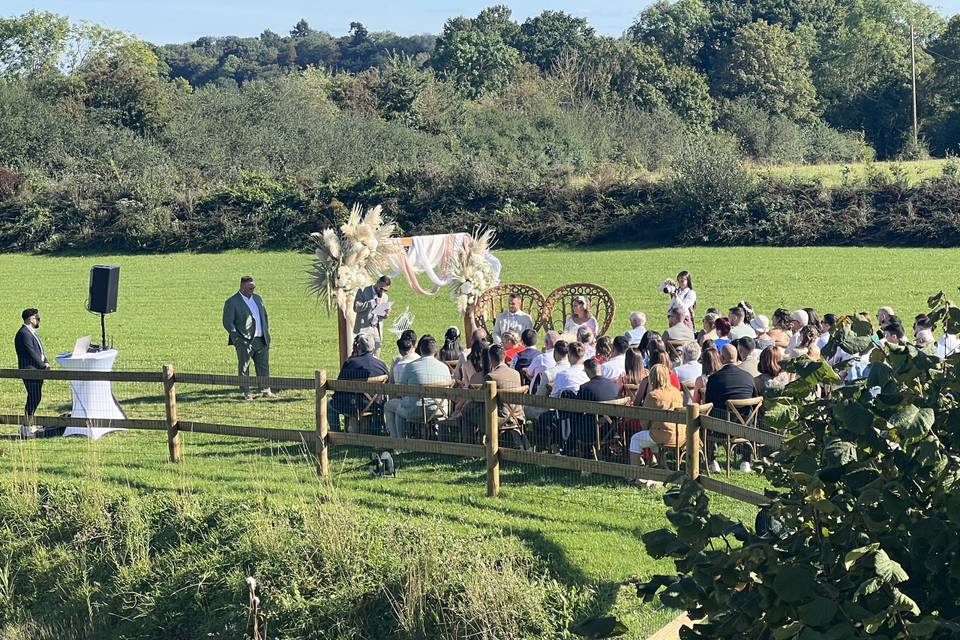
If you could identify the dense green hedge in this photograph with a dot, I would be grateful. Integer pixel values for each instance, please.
(710, 207)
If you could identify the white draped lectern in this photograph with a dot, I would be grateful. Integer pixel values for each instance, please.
(92, 399)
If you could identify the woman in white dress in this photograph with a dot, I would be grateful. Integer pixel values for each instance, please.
(580, 316)
(684, 297)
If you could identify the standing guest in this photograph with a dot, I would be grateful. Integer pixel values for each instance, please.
(662, 395)
(710, 364)
(613, 368)
(691, 369)
(451, 349)
(770, 373)
(589, 342)
(361, 365)
(512, 319)
(893, 333)
(544, 360)
(749, 356)
(638, 320)
(30, 355)
(722, 328)
(604, 349)
(245, 321)
(827, 324)
(684, 298)
(571, 378)
(522, 360)
(580, 317)
(780, 330)
(708, 332)
(425, 370)
(761, 325)
(738, 323)
(372, 305)
(678, 331)
(407, 355)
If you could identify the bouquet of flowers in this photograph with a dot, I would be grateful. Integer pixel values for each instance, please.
(351, 258)
(473, 272)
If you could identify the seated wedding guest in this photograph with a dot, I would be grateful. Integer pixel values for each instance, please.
(407, 355)
(588, 340)
(722, 328)
(707, 332)
(465, 368)
(738, 323)
(761, 325)
(545, 379)
(770, 374)
(451, 349)
(923, 333)
(805, 344)
(634, 372)
(545, 359)
(427, 369)
(603, 350)
(709, 364)
(522, 360)
(597, 388)
(478, 363)
(580, 317)
(884, 315)
(657, 354)
(729, 383)
(638, 320)
(571, 378)
(691, 369)
(827, 323)
(781, 328)
(893, 333)
(662, 395)
(511, 345)
(410, 335)
(748, 355)
(678, 330)
(361, 365)
(506, 378)
(948, 344)
(513, 318)
(798, 320)
(613, 368)
(813, 319)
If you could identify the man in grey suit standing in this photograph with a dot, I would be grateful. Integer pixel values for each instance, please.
(245, 321)
(371, 306)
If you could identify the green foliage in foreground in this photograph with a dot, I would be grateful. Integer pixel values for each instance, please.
(865, 489)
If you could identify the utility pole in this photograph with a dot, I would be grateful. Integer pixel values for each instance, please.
(913, 69)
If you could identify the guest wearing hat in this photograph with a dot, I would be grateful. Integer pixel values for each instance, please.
(761, 325)
(361, 365)
(798, 320)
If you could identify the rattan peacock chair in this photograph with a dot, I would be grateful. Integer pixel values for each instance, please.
(494, 300)
(559, 304)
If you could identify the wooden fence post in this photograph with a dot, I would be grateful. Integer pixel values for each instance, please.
(491, 421)
(693, 441)
(323, 426)
(170, 403)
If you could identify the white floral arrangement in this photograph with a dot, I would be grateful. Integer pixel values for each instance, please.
(351, 258)
(473, 273)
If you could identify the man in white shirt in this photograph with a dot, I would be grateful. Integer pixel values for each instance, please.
(571, 379)
(691, 369)
(513, 319)
(637, 321)
(613, 368)
(246, 323)
(544, 360)
(739, 328)
(541, 384)
(948, 345)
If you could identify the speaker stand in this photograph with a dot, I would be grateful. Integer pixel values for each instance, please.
(103, 332)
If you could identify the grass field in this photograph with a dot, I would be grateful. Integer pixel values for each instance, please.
(586, 530)
(835, 174)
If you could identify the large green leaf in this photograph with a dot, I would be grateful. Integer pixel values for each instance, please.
(819, 612)
(794, 583)
(912, 422)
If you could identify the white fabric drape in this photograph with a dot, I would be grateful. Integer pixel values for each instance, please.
(434, 256)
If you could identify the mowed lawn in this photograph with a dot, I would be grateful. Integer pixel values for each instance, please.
(586, 529)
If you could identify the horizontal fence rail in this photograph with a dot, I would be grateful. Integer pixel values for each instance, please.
(690, 420)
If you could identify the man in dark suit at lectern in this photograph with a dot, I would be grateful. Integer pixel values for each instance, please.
(30, 355)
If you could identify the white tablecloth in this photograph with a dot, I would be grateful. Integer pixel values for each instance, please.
(92, 399)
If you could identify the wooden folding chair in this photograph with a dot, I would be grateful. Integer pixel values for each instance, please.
(748, 420)
(607, 420)
(431, 413)
(513, 421)
(687, 387)
(366, 406)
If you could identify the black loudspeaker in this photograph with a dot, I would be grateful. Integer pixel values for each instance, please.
(104, 283)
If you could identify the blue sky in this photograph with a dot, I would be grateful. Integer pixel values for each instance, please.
(185, 20)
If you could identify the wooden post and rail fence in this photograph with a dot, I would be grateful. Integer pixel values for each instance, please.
(694, 420)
